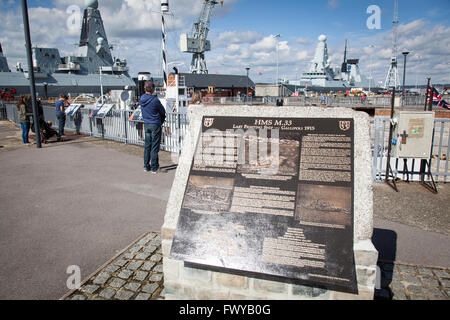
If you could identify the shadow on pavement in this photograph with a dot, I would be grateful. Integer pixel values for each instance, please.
(168, 168)
(385, 241)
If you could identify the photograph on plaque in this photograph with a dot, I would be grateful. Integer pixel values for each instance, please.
(285, 213)
(324, 204)
(289, 157)
(208, 194)
(281, 156)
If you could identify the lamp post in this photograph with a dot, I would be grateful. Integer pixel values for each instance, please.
(26, 25)
(405, 53)
(246, 93)
(419, 58)
(277, 36)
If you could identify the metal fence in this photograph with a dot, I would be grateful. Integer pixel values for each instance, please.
(379, 101)
(116, 126)
(440, 153)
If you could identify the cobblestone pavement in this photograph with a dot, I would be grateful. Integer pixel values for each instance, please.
(410, 282)
(136, 274)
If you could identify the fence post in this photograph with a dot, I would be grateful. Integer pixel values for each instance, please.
(179, 132)
(91, 133)
(125, 120)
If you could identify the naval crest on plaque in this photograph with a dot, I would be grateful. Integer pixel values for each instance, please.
(344, 125)
(208, 122)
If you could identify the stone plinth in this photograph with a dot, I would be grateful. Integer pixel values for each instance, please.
(182, 282)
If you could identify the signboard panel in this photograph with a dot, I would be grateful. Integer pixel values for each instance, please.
(104, 110)
(72, 109)
(273, 198)
(101, 110)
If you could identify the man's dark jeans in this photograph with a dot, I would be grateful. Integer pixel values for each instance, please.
(61, 124)
(152, 143)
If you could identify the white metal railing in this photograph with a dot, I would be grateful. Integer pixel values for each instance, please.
(376, 101)
(116, 126)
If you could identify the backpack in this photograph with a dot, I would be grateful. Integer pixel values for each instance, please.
(29, 107)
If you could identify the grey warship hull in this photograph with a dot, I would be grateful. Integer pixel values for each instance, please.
(73, 84)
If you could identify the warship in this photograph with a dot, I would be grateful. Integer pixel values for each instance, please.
(3, 61)
(321, 74)
(92, 68)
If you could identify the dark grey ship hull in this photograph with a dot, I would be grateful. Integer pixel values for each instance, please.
(74, 84)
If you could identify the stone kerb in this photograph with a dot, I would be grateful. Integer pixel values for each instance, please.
(187, 283)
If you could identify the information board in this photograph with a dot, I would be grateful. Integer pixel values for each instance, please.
(273, 198)
(72, 109)
(102, 110)
(137, 115)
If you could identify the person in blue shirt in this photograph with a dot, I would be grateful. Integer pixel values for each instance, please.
(154, 115)
(60, 115)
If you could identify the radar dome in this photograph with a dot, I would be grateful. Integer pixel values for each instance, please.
(322, 38)
(91, 4)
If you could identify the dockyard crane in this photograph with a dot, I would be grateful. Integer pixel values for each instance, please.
(392, 79)
(197, 42)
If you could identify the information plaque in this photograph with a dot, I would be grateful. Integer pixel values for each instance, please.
(272, 198)
(101, 111)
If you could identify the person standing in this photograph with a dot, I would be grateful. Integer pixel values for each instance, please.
(154, 115)
(363, 98)
(196, 98)
(24, 118)
(60, 115)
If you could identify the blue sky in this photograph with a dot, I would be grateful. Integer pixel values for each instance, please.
(241, 33)
(294, 18)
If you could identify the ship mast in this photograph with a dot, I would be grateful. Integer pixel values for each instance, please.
(164, 10)
(344, 64)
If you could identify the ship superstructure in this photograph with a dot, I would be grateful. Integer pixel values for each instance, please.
(3, 62)
(320, 72)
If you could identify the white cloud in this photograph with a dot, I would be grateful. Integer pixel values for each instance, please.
(234, 37)
(333, 4)
(303, 41)
(268, 43)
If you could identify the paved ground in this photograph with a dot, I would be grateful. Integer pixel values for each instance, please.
(81, 201)
(70, 203)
